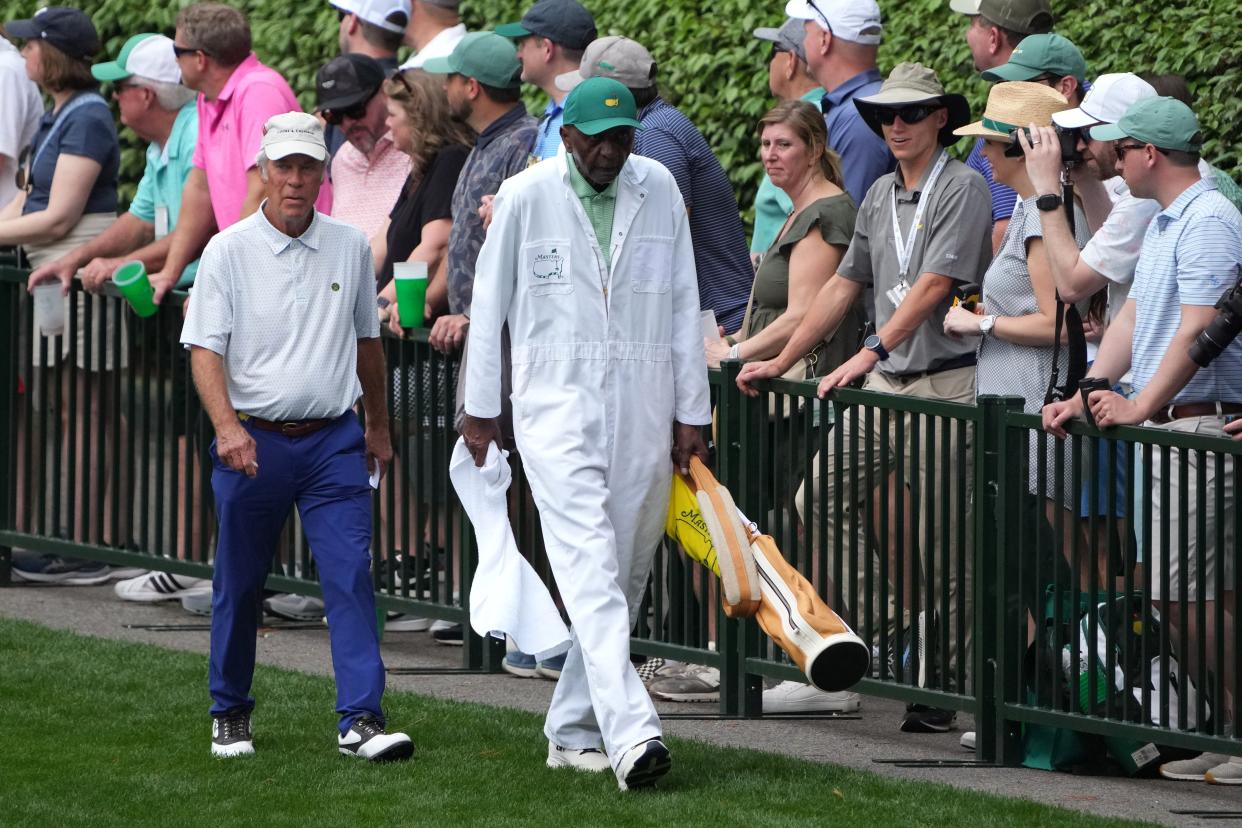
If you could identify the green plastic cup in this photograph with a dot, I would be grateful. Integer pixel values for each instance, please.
(131, 280)
(411, 278)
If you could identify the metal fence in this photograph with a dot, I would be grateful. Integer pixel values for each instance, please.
(993, 569)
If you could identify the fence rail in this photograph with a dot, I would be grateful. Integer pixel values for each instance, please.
(994, 569)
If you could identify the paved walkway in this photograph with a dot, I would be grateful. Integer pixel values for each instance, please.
(854, 742)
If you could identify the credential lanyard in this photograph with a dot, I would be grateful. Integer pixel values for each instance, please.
(905, 246)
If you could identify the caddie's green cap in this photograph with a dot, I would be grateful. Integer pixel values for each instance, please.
(485, 56)
(599, 104)
(1166, 123)
(1041, 54)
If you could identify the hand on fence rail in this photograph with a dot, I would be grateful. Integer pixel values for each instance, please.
(49, 273)
(854, 368)
(756, 371)
(98, 272)
(1234, 427)
(448, 334)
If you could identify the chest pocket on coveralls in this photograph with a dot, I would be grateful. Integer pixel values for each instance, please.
(652, 264)
(546, 267)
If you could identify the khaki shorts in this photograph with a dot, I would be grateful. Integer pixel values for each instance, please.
(1200, 586)
(87, 228)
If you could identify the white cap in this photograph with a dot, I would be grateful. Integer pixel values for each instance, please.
(857, 21)
(393, 15)
(293, 133)
(1110, 96)
(144, 55)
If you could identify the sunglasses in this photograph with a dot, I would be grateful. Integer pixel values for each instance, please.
(182, 51)
(1121, 150)
(820, 12)
(354, 113)
(911, 114)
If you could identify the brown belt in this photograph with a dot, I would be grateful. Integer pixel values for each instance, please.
(1197, 409)
(292, 428)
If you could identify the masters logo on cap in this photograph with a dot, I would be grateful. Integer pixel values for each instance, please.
(600, 104)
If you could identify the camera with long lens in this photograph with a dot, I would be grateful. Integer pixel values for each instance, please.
(1223, 327)
(1067, 138)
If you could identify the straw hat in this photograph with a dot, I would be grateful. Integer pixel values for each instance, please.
(1015, 104)
(913, 83)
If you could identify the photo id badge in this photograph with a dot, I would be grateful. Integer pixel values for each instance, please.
(898, 293)
(161, 221)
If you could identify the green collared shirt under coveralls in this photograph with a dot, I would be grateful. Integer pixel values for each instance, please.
(600, 205)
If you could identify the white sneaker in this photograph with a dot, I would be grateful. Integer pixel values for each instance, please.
(441, 624)
(796, 697)
(367, 739)
(295, 607)
(197, 603)
(401, 622)
(643, 765)
(1192, 770)
(124, 573)
(231, 736)
(968, 740)
(590, 760)
(159, 586)
(1226, 773)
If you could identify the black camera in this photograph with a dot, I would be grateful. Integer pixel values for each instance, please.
(1068, 138)
(1223, 328)
(1085, 386)
(968, 296)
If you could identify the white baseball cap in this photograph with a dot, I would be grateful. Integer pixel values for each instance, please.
(293, 133)
(393, 15)
(146, 55)
(857, 21)
(1110, 96)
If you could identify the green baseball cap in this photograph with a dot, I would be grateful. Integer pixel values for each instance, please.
(1166, 123)
(1041, 54)
(599, 104)
(485, 56)
(147, 55)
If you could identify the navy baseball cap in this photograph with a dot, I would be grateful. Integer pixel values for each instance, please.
(565, 22)
(68, 29)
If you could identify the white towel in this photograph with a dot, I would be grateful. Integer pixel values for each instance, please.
(506, 595)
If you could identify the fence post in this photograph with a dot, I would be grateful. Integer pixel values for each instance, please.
(740, 694)
(9, 355)
(995, 617)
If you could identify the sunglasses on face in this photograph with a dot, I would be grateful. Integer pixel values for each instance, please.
(182, 51)
(909, 114)
(1121, 150)
(355, 112)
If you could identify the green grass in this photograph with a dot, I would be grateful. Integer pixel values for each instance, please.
(96, 732)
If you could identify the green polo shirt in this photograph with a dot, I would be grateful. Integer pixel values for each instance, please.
(159, 191)
(599, 206)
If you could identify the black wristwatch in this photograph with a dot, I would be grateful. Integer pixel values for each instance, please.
(873, 343)
(1049, 202)
(382, 302)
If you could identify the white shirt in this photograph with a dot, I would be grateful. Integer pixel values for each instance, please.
(442, 45)
(286, 314)
(21, 107)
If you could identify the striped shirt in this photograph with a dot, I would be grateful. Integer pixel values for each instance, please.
(548, 139)
(1192, 253)
(286, 314)
(1004, 199)
(721, 255)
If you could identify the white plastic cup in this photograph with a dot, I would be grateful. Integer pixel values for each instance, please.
(707, 324)
(49, 309)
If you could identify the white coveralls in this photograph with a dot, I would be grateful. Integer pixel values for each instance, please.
(604, 360)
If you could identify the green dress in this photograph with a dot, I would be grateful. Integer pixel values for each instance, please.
(834, 219)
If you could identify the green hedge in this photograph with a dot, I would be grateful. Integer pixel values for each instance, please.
(713, 69)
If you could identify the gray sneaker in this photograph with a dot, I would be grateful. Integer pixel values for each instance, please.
(695, 684)
(197, 603)
(295, 607)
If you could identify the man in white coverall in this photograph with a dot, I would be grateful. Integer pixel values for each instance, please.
(589, 261)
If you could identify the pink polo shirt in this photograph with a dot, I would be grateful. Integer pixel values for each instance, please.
(365, 189)
(230, 132)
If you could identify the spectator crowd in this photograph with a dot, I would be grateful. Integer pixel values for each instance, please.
(885, 252)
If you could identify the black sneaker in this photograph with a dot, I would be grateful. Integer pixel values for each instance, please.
(643, 765)
(230, 734)
(46, 568)
(920, 718)
(367, 739)
(450, 635)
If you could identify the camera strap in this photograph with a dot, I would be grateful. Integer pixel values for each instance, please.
(1069, 320)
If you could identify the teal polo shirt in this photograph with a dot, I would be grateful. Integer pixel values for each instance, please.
(159, 191)
(772, 205)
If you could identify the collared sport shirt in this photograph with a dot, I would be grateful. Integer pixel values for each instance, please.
(864, 155)
(158, 200)
(548, 141)
(600, 206)
(286, 315)
(364, 189)
(501, 150)
(1192, 253)
(230, 133)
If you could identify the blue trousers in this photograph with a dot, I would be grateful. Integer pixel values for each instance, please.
(325, 475)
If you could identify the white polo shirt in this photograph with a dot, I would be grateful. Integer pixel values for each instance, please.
(286, 314)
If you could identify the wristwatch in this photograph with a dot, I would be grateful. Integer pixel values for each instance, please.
(987, 323)
(382, 302)
(873, 343)
(1049, 202)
